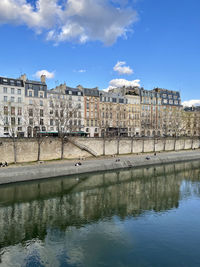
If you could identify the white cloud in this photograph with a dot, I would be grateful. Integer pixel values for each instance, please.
(122, 69)
(49, 75)
(71, 20)
(81, 71)
(190, 103)
(122, 82)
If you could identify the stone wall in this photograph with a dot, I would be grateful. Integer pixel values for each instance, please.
(27, 149)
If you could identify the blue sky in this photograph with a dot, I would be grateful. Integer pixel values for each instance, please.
(81, 41)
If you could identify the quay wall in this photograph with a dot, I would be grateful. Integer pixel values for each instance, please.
(26, 149)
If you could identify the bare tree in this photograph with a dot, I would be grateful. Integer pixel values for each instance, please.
(176, 124)
(36, 115)
(66, 116)
(12, 123)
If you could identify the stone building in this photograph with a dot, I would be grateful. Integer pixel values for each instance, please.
(191, 121)
(151, 119)
(113, 114)
(91, 111)
(66, 109)
(35, 106)
(170, 112)
(12, 107)
(131, 100)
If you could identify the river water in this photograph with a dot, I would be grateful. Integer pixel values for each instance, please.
(135, 217)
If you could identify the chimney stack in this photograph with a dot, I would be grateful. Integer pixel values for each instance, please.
(23, 77)
(43, 78)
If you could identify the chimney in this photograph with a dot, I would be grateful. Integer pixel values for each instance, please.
(23, 77)
(43, 78)
(80, 87)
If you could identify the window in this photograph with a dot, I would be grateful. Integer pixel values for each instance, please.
(5, 110)
(19, 129)
(51, 122)
(6, 129)
(12, 110)
(12, 120)
(41, 103)
(5, 99)
(12, 90)
(12, 99)
(41, 122)
(30, 102)
(19, 91)
(5, 90)
(19, 121)
(51, 112)
(41, 94)
(30, 112)
(19, 100)
(19, 111)
(30, 93)
(41, 113)
(5, 120)
(30, 121)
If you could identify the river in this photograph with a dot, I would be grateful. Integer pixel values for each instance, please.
(134, 217)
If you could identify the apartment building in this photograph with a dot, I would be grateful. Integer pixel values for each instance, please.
(91, 111)
(171, 112)
(131, 100)
(151, 120)
(27, 107)
(66, 109)
(12, 108)
(191, 121)
(35, 106)
(113, 114)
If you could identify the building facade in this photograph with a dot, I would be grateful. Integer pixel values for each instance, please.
(28, 108)
(12, 95)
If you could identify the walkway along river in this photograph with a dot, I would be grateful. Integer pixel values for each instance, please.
(60, 168)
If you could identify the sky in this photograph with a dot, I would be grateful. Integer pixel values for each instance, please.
(104, 43)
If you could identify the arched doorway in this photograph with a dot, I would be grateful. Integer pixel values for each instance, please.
(36, 130)
(29, 131)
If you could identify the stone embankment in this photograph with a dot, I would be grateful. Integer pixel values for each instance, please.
(44, 170)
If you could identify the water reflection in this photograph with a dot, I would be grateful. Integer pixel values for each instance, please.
(64, 222)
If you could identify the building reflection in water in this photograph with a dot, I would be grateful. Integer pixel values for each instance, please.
(34, 214)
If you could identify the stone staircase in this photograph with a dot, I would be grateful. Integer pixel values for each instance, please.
(83, 147)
